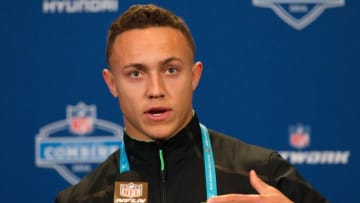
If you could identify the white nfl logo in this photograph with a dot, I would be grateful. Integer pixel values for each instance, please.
(298, 13)
(131, 190)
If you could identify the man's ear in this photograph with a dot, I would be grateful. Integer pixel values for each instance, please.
(196, 74)
(110, 81)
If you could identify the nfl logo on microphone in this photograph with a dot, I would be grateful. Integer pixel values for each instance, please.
(136, 192)
(131, 190)
(299, 136)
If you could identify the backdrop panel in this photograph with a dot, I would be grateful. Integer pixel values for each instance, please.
(281, 75)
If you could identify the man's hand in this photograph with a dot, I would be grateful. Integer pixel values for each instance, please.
(267, 194)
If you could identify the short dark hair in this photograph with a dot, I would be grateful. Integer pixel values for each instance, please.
(145, 16)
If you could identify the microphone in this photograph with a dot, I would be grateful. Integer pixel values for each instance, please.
(130, 189)
(107, 195)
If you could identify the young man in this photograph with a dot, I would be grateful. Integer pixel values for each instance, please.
(152, 73)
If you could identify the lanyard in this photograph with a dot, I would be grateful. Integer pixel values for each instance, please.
(209, 164)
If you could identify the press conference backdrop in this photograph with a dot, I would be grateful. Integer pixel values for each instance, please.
(281, 74)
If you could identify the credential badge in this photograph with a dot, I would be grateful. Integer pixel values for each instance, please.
(298, 13)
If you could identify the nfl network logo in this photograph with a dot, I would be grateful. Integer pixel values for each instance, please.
(76, 145)
(298, 13)
(299, 136)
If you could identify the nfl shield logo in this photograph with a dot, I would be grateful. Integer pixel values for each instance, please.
(299, 136)
(131, 190)
(298, 13)
(81, 118)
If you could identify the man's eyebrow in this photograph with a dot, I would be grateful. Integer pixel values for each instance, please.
(135, 65)
(170, 59)
(143, 66)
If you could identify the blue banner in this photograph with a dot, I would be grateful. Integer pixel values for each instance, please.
(283, 74)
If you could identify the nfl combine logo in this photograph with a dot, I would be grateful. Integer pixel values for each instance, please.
(76, 145)
(298, 13)
(299, 136)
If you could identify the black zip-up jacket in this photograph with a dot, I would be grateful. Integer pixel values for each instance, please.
(182, 179)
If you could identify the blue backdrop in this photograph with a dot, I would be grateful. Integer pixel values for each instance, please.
(271, 70)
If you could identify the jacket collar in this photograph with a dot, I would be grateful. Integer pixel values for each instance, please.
(184, 143)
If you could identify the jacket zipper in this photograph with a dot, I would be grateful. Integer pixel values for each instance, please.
(162, 176)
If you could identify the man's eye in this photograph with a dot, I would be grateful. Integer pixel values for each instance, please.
(135, 74)
(171, 70)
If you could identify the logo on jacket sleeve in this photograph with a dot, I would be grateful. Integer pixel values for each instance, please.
(76, 145)
(298, 13)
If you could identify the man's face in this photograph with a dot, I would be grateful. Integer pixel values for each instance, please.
(153, 76)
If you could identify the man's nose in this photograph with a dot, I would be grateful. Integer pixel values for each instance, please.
(156, 87)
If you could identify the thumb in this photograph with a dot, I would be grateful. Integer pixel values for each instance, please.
(260, 186)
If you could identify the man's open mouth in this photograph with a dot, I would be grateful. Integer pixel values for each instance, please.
(157, 112)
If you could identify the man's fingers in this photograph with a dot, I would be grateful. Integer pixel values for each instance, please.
(266, 192)
(258, 184)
